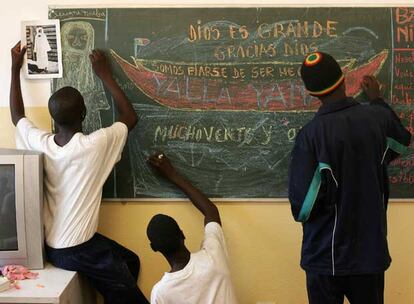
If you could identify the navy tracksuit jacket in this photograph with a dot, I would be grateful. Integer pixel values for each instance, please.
(338, 186)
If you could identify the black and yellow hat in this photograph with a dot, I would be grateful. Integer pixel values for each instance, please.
(321, 74)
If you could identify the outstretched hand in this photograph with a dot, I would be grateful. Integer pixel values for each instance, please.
(161, 162)
(371, 87)
(17, 55)
(100, 64)
(102, 68)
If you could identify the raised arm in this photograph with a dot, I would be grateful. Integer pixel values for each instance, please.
(198, 198)
(398, 137)
(101, 67)
(372, 90)
(16, 99)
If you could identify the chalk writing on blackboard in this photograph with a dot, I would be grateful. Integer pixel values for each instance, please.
(402, 91)
(219, 90)
(210, 87)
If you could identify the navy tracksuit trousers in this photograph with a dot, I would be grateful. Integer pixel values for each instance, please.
(358, 289)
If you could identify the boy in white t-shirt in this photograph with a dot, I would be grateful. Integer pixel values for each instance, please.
(75, 169)
(202, 277)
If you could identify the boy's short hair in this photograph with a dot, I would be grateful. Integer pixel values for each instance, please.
(67, 106)
(164, 234)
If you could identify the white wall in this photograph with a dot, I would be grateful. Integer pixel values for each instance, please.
(36, 92)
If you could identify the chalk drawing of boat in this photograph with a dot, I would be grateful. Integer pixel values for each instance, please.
(194, 93)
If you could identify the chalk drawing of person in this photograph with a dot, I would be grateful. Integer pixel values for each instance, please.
(77, 43)
(41, 47)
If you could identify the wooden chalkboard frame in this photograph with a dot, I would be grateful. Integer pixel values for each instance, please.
(274, 4)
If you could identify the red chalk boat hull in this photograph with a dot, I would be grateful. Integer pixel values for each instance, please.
(203, 93)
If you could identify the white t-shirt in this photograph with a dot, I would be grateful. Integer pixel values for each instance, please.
(73, 178)
(204, 280)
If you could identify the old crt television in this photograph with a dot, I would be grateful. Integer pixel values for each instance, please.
(21, 200)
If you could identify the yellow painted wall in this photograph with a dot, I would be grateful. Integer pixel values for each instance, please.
(263, 240)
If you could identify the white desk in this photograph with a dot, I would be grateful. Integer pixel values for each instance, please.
(53, 285)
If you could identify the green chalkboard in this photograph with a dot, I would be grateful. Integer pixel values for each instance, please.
(218, 89)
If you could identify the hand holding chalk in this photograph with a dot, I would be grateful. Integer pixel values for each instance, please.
(163, 165)
(100, 64)
(371, 87)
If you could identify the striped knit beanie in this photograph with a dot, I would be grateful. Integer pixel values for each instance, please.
(321, 74)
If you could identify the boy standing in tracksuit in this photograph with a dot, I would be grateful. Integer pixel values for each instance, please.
(338, 186)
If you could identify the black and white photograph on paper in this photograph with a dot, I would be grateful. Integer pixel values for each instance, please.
(43, 54)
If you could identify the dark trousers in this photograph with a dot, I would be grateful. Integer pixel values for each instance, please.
(359, 289)
(111, 268)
